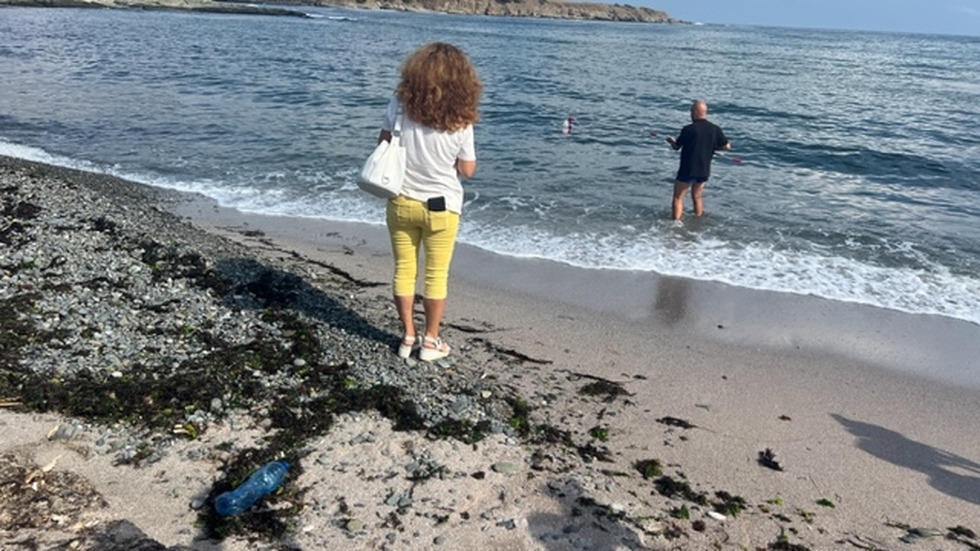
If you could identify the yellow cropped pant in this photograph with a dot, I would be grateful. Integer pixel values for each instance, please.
(412, 225)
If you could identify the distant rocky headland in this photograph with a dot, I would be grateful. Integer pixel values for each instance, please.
(554, 9)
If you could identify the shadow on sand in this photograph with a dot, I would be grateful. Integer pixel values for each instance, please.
(582, 523)
(945, 470)
(258, 286)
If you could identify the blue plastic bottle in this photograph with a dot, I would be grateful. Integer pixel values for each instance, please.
(262, 482)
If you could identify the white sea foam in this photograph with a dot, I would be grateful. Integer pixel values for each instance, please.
(39, 155)
(216, 190)
(933, 290)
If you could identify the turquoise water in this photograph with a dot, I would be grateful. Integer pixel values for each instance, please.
(859, 177)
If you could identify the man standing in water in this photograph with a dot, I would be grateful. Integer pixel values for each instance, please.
(698, 142)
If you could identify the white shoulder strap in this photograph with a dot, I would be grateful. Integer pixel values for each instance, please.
(397, 131)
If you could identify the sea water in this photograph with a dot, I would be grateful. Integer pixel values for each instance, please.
(855, 173)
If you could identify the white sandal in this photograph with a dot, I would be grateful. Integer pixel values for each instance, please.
(433, 349)
(408, 344)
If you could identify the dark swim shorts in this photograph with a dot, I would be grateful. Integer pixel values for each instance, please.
(693, 181)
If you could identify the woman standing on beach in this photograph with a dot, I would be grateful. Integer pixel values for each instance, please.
(438, 94)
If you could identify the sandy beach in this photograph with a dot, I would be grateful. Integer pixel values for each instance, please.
(870, 416)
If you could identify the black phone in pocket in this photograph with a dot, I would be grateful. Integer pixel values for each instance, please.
(436, 204)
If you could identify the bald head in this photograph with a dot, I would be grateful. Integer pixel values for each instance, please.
(699, 110)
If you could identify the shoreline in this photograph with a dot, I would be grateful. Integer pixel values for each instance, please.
(933, 347)
(871, 454)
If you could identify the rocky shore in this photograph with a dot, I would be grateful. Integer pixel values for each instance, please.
(147, 366)
(148, 332)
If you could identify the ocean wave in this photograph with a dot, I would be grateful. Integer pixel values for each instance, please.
(931, 290)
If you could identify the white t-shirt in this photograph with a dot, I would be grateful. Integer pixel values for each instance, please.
(430, 159)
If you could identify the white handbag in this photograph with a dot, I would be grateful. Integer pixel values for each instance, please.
(384, 170)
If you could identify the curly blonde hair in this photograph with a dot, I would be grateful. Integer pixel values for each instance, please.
(439, 87)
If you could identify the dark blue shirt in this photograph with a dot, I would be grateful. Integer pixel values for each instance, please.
(698, 142)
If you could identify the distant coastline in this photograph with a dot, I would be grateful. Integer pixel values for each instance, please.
(548, 9)
(187, 5)
(552, 9)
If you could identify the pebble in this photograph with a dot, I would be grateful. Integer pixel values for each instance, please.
(355, 526)
(65, 431)
(506, 467)
(715, 515)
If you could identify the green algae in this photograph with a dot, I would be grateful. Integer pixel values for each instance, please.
(520, 419)
(550, 434)
(18, 212)
(728, 504)
(16, 332)
(681, 512)
(600, 433)
(649, 468)
(670, 487)
(605, 389)
(460, 429)
(782, 543)
(590, 452)
(961, 530)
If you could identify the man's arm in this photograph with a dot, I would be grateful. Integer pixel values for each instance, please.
(673, 143)
(721, 138)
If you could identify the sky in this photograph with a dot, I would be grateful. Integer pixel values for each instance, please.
(959, 17)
